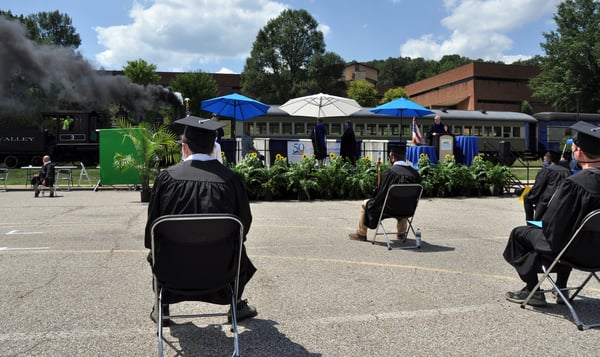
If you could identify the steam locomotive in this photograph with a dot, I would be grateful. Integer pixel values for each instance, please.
(67, 136)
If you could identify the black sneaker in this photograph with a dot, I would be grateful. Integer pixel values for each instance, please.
(243, 311)
(36, 192)
(538, 298)
(154, 315)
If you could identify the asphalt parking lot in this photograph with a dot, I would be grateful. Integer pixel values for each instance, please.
(75, 282)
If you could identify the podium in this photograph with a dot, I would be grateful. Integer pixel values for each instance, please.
(444, 145)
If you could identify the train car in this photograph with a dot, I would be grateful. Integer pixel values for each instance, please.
(553, 128)
(518, 131)
(68, 136)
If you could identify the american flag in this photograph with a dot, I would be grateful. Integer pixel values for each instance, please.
(416, 133)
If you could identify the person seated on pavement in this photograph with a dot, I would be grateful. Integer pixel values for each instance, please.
(399, 173)
(44, 177)
(546, 182)
(529, 246)
(201, 184)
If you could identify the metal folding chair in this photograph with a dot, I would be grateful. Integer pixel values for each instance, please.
(64, 175)
(400, 202)
(3, 178)
(580, 253)
(194, 256)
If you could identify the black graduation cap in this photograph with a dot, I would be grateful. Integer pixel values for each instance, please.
(587, 137)
(199, 129)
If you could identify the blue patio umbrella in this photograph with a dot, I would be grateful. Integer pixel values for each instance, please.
(235, 106)
(401, 107)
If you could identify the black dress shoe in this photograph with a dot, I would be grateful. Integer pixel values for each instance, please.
(243, 311)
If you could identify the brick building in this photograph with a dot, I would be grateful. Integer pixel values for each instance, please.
(479, 86)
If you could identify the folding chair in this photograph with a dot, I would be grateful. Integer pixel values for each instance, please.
(64, 175)
(3, 178)
(193, 256)
(401, 201)
(580, 253)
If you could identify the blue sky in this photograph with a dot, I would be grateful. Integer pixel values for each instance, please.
(217, 35)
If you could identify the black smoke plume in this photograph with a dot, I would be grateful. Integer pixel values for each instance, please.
(35, 78)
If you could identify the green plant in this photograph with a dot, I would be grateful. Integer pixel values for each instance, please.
(276, 184)
(454, 179)
(253, 174)
(300, 177)
(361, 180)
(153, 145)
(331, 177)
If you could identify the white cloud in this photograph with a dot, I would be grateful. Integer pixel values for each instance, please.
(179, 35)
(225, 70)
(480, 29)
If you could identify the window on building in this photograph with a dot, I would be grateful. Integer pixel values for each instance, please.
(506, 132)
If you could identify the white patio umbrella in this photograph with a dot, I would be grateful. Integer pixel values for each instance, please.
(321, 106)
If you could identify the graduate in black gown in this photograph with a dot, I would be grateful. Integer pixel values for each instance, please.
(348, 143)
(546, 183)
(399, 173)
(577, 195)
(200, 184)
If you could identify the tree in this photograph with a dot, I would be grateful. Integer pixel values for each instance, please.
(288, 59)
(363, 92)
(141, 72)
(324, 73)
(197, 86)
(392, 94)
(572, 62)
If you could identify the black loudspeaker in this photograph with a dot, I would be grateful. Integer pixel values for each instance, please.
(505, 155)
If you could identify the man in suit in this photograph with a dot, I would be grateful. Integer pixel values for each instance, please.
(45, 177)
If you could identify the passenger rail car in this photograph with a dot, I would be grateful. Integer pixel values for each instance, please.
(490, 127)
(68, 136)
(553, 127)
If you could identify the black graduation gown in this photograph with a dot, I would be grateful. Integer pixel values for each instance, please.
(396, 174)
(546, 183)
(576, 196)
(202, 187)
(348, 145)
